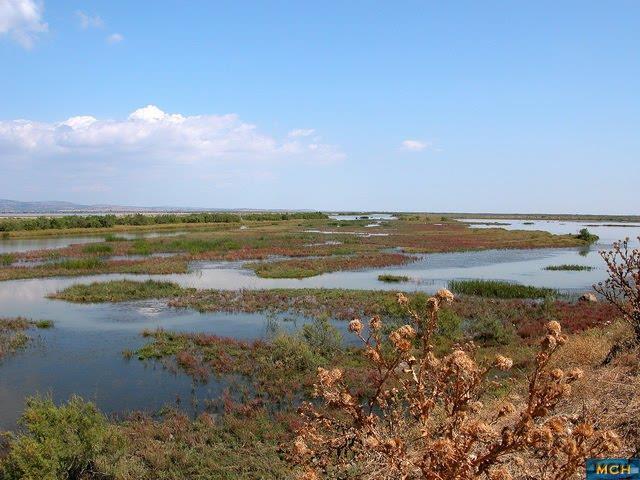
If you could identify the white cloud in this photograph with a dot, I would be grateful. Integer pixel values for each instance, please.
(148, 137)
(89, 21)
(301, 132)
(414, 145)
(114, 38)
(22, 20)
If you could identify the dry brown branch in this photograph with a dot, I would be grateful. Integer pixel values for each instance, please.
(425, 418)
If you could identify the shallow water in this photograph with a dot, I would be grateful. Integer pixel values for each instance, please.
(15, 245)
(367, 216)
(82, 353)
(607, 233)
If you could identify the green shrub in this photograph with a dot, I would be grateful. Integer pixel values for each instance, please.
(118, 291)
(293, 352)
(387, 277)
(141, 247)
(57, 443)
(44, 324)
(449, 325)
(569, 267)
(81, 263)
(322, 337)
(7, 259)
(587, 236)
(97, 248)
(489, 329)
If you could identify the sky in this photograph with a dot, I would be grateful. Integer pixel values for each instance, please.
(459, 106)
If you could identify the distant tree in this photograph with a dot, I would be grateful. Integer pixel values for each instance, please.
(587, 236)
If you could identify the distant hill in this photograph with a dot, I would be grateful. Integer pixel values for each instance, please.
(13, 206)
(8, 207)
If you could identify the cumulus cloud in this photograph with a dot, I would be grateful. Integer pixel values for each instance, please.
(414, 145)
(150, 136)
(114, 38)
(22, 21)
(89, 21)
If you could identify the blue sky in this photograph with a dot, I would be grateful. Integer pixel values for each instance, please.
(405, 105)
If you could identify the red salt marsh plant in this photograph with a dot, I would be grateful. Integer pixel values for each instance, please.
(316, 266)
(426, 418)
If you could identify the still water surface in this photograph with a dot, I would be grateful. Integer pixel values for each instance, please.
(82, 353)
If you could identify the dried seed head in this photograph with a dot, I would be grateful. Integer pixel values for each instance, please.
(503, 363)
(328, 378)
(553, 328)
(444, 295)
(355, 325)
(549, 342)
(402, 299)
(433, 304)
(375, 323)
(300, 446)
(372, 354)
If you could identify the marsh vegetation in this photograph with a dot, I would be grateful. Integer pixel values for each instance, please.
(498, 289)
(250, 427)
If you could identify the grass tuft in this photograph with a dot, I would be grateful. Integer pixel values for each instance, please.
(118, 291)
(7, 259)
(569, 267)
(387, 277)
(499, 289)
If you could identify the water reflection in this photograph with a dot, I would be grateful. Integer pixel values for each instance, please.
(14, 245)
(82, 353)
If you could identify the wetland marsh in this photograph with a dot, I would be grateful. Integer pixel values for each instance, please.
(133, 315)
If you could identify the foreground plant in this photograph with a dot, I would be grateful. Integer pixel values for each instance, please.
(425, 418)
(622, 288)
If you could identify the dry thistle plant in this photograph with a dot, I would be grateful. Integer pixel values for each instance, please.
(425, 420)
(622, 288)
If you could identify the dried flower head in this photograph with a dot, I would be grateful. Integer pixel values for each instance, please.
(375, 323)
(355, 325)
(503, 363)
(553, 328)
(402, 299)
(444, 295)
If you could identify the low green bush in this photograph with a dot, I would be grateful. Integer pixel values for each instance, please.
(587, 236)
(489, 329)
(57, 442)
(81, 263)
(7, 259)
(499, 289)
(392, 278)
(322, 337)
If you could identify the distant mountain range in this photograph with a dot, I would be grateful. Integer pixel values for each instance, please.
(8, 207)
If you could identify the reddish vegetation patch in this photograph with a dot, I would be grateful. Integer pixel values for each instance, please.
(153, 265)
(315, 266)
(529, 317)
(451, 237)
(526, 316)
